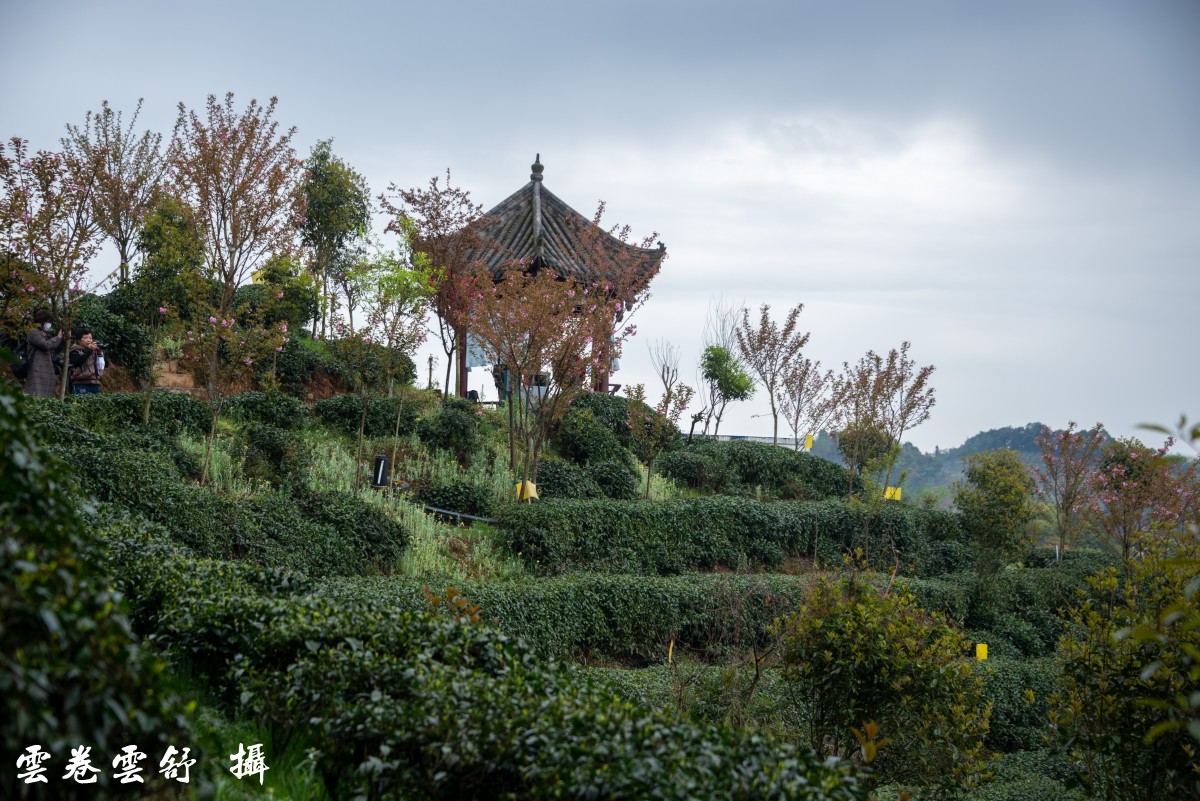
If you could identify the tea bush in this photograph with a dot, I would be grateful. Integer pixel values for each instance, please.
(743, 466)
(558, 478)
(702, 533)
(342, 413)
(458, 496)
(271, 408)
(171, 413)
(1019, 721)
(275, 455)
(413, 704)
(71, 671)
(454, 427)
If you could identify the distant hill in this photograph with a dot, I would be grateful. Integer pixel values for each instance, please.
(934, 473)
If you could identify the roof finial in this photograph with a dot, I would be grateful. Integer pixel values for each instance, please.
(537, 168)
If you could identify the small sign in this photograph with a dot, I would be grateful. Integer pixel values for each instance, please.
(980, 651)
(808, 442)
(526, 490)
(891, 494)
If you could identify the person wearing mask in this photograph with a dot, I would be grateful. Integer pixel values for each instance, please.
(41, 379)
(87, 363)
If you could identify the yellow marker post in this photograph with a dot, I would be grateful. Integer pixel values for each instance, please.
(808, 442)
(980, 651)
(526, 490)
(892, 494)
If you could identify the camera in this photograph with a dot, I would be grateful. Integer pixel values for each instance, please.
(102, 345)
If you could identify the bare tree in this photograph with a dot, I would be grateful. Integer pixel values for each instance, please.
(769, 350)
(809, 399)
(665, 358)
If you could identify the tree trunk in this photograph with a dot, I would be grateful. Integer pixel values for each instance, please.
(212, 436)
(362, 427)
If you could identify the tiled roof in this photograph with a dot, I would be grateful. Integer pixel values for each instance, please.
(535, 227)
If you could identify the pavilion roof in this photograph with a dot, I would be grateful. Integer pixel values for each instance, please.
(535, 227)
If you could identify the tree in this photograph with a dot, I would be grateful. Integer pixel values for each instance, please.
(808, 399)
(855, 657)
(241, 176)
(656, 428)
(1136, 489)
(337, 211)
(443, 225)
(1129, 677)
(1064, 481)
(48, 227)
(769, 350)
(995, 501)
(131, 169)
(726, 381)
(889, 395)
(541, 328)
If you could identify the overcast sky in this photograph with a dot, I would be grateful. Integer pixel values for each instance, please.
(1013, 187)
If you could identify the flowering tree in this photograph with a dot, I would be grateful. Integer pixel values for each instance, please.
(130, 171)
(242, 177)
(48, 230)
(443, 225)
(542, 329)
(808, 399)
(769, 350)
(1136, 489)
(1069, 460)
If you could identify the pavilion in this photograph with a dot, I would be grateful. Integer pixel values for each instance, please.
(535, 227)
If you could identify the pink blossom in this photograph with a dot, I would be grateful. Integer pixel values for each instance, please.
(212, 320)
(162, 309)
(279, 349)
(247, 361)
(279, 294)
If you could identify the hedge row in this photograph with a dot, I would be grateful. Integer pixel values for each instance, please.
(684, 535)
(344, 413)
(322, 533)
(597, 616)
(738, 467)
(409, 704)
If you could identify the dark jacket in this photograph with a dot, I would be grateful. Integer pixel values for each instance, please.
(41, 379)
(84, 369)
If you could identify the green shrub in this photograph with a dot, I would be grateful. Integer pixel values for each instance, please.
(454, 427)
(618, 479)
(171, 413)
(279, 457)
(701, 470)
(584, 439)
(409, 704)
(641, 537)
(272, 408)
(862, 657)
(610, 411)
(744, 466)
(126, 343)
(71, 671)
(458, 496)
(624, 617)
(558, 478)
(1018, 721)
(342, 413)
(702, 533)
(271, 529)
(1035, 775)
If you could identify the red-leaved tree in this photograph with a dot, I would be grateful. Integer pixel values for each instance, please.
(1069, 461)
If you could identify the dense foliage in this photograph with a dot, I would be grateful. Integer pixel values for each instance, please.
(71, 670)
(742, 467)
(859, 655)
(703, 533)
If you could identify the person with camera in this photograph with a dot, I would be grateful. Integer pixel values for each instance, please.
(87, 363)
(40, 382)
